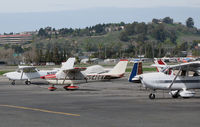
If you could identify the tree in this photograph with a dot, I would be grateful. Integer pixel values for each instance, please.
(156, 21)
(56, 57)
(123, 36)
(190, 22)
(159, 33)
(168, 20)
(42, 33)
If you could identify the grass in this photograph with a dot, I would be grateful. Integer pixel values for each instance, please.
(3, 72)
(144, 69)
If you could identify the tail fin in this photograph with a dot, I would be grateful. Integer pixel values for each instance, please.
(137, 70)
(68, 64)
(120, 67)
(159, 63)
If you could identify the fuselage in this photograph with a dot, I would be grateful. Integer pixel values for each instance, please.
(79, 78)
(19, 75)
(159, 80)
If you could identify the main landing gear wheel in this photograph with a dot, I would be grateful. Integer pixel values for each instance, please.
(70, 87)
(175, 95)
(13, 82)
(152, 96)
(27, 82)
(52, 88)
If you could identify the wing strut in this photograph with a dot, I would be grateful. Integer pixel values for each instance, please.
(22, 74)
(175, 78)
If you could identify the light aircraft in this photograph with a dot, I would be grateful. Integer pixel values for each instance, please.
(180, 80)
(27, 73)
(73, 75)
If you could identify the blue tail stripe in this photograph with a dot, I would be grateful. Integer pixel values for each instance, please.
(133, 72)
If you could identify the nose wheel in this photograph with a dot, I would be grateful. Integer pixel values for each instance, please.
(27, 82)
(152, 96)
(13, 82)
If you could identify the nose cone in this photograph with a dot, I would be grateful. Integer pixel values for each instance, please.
(11, 75)
(147, 80)
(42, 77)
(5, 74)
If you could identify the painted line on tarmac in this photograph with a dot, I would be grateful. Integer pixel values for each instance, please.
(40, 110)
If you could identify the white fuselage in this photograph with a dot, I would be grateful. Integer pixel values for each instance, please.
(27, 76)
(159, 80)
(81, 78)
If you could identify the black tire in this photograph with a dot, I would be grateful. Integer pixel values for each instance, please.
(152, 96)
(13, 83)
(175, 96)
(27, 82)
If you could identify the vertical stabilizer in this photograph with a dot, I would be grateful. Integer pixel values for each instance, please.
(160, 64)
(120, 67)
(136, 70)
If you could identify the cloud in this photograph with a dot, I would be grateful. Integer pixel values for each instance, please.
(21, 6)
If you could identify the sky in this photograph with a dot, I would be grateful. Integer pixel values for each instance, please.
(29, 15)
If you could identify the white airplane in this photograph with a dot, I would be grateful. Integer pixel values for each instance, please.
(27, 73)
(73, 75)
(180, 83)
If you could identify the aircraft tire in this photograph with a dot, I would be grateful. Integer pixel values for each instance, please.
(13, 83)
(152, 96)
(27, 82)
(175, 96)
(52, 88)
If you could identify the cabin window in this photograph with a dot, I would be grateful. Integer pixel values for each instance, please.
(183, 73)
(28, 70)
(195, 74)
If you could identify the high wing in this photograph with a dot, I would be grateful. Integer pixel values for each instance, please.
(75, 69)
(192, 66)
(69, 64)
(67, 67)
(26, 69)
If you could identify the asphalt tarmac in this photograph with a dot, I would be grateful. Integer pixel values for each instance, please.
(115, 103)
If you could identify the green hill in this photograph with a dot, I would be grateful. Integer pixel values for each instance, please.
(159, 38)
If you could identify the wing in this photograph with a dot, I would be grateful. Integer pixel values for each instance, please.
(192, 66)
(68, 64)
(27, 69)
(75, 69)
(64, 72)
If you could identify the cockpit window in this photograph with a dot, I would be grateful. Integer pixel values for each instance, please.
(28, 70)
